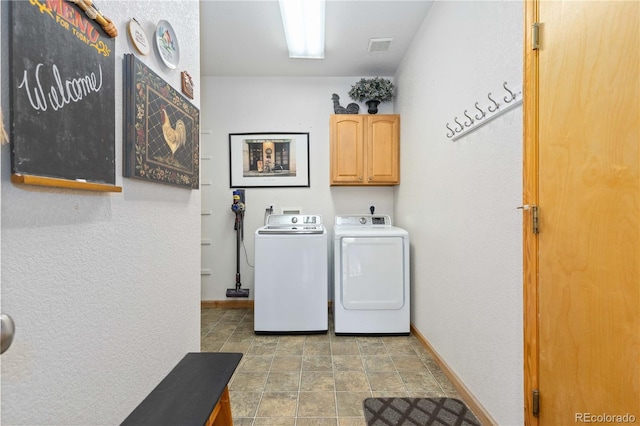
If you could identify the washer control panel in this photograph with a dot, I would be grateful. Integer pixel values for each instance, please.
(294, 219)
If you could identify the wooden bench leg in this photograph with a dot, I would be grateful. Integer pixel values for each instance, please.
(221, 414)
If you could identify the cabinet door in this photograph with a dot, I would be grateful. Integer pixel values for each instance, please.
(383, 146)
(347, 149)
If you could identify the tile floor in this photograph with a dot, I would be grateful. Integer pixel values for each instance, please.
(316, 380)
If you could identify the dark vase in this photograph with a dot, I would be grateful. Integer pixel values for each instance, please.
(372, 106)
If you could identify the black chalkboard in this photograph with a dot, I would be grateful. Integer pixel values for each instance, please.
(62, 93)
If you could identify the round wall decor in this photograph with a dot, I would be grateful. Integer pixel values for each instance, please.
(138, 37)
(167, 44)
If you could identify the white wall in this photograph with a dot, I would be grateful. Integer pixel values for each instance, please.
(104, 288)
(458, 199)
(270, 104)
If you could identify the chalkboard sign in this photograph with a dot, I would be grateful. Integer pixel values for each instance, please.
(62, 95)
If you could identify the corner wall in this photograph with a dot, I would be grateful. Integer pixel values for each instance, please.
(104, 288)
(458, 199)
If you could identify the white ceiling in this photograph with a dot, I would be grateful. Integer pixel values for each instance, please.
(245, 38)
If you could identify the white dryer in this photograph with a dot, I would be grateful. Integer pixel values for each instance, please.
(291, 275)
(371, 276)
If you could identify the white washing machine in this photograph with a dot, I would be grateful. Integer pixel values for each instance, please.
(291, 275)
(371, 276)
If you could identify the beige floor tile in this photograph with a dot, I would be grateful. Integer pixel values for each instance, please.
(350, 403)
(290, 347)
(245, 326)
(371, 347)
(419, 381)
(378, 363)
(266, 338)
(351, 381)
(317, 381)
(427, 394)
(241, 336)
(325, 337)
(347, 363)
(256, 363)
(316, 421)
(317, 348)
(244, 404)
(233, 315)
(283, 381)
(229, 327)
(242, 421)
(278, 404)
(401, 349)
(211, 313)
(442, 379)
(235, 347)
(291, 339)
(407, 363)
(320, 379)
(390, 394)
(369, 339)
(316, 363)
(380, 381)
(341, 338)
(274, 421)
(208, 344)
(286, 362)
(248, 382)
(219, 335)
(262, 348)
(317, 404)
(344, 348)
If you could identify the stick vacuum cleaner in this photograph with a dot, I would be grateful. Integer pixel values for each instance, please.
(238, 208)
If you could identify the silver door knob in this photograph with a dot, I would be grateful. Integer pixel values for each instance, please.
(7, 332)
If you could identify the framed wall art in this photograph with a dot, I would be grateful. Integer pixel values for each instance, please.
(268, 160)
(162, 129)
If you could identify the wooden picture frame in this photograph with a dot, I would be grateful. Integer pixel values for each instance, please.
(162, 129)
(268, 160)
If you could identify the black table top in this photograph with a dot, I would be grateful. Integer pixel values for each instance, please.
(189, 393)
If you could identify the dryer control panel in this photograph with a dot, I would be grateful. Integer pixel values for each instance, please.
(363, 220)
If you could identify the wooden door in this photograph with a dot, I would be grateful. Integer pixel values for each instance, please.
(347, 149)
(582, 271)
(383, 143)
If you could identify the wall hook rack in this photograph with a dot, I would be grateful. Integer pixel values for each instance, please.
(511, 99)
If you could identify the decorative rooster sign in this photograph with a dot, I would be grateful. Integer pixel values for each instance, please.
(162, 129)
(175, 137)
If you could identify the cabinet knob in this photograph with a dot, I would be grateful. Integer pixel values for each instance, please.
(370, 178)
(360, 178)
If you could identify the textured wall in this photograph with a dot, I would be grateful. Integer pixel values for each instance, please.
(270, 104)
(458, 199)
(104, 288)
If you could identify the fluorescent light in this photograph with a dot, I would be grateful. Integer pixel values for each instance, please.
(303, 22)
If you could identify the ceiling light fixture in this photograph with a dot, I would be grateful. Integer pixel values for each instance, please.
(303, 22)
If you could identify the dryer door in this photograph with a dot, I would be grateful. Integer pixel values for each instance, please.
(372, 273)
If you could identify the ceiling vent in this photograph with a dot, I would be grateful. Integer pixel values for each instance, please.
(379, 44)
